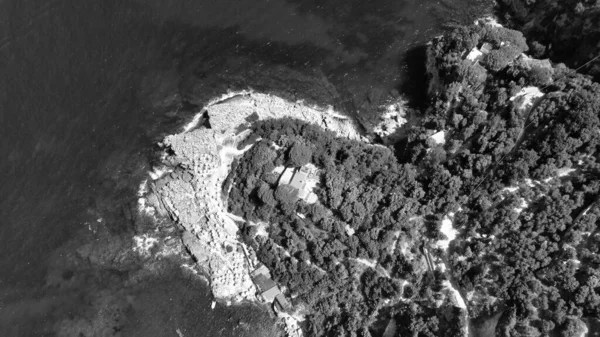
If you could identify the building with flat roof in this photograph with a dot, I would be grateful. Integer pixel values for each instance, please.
(263, 282)
(269, 291)
(477, 54)
(303, 180)
(267, 287)
(282, 303)
(286, 176)
(261, 270)
(270, 295)
(486, 48)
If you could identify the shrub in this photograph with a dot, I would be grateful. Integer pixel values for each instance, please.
(497, 59)
(539, 75)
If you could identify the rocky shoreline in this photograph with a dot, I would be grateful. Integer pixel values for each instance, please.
(189, 187)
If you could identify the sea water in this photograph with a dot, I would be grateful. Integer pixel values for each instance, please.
(82, 83)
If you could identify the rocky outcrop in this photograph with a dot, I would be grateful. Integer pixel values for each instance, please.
(392, 117)
(238, 110)
(197, 162)
(191, 194)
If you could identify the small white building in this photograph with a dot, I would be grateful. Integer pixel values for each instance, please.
(303, 180)
(477, 54)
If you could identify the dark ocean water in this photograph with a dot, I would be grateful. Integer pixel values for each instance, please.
(78, 124)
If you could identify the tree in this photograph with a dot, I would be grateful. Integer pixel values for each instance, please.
(498, 59)
(539, 75)
(537, 49)
(265, 193)
(571, 328)
(286, 195)
(472, 74)
(300, 154)
(518, 254)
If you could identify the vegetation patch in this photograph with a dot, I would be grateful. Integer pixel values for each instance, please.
(517, 178)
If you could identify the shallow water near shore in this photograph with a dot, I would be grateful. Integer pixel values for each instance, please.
(87, 89)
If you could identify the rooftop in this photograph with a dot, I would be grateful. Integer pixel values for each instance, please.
(269, 295)
(263, 282)
(486, 48)
(303, 180)
(261, 270)
(282, 302)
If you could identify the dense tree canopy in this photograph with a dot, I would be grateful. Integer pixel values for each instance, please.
(517, 174)
(527, 245)
(561, 30)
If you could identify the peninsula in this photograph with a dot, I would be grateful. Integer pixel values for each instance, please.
(480, 218)
(189, 190)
